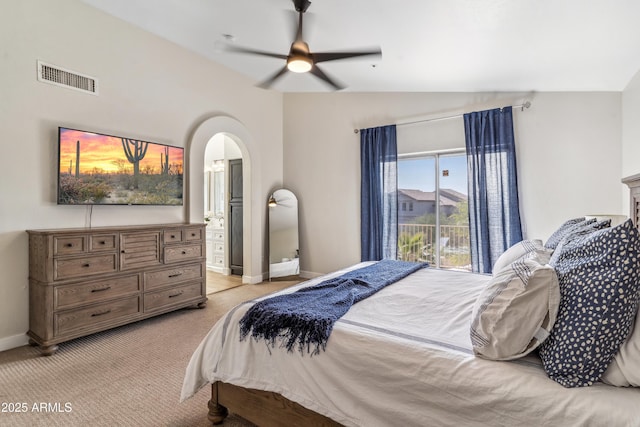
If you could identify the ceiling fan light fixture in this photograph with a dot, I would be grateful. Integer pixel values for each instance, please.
(299, 64)
(300, 59)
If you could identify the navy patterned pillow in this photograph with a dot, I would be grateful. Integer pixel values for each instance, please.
(557, 235)
(599, 277)
(574, 233)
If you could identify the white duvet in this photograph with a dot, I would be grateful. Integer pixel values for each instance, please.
(403, 357)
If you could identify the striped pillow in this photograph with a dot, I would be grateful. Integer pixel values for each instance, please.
(514, 313)
(557, 235)
(518, 250)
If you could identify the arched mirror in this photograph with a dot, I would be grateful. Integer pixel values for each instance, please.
(283, 234)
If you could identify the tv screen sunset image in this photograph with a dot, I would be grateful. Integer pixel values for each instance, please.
(103, 169)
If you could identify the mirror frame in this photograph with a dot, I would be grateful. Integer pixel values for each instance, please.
(284, 243)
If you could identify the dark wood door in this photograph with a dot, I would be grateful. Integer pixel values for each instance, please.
(235, 216)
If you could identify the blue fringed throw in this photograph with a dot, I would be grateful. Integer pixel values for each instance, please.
(305, 318)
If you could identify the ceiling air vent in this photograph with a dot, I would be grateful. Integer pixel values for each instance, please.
(58, 76)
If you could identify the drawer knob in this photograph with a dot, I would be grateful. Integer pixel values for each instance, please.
(102, 242)
(101, 289)
(175, 275)
(69, 245)
(86, 265)
(173, 237)
(184, 252)
(176, 295)
(101, 313)
(193, 234)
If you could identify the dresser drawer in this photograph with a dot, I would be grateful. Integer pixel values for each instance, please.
(67, 322)
(65, 268)
(69, 245)
(102, 242)
(183, 253)
(164, 299)
(72, 295)
(172, 236)
(156, 279)
(192, 234)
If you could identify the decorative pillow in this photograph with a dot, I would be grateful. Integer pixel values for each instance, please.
(574, 233)
(624, 370)
(517, 251)
(615, 219)
(599, 277)
(557, 235)
(514, 313)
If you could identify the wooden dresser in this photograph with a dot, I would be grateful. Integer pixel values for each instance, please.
(87, 280)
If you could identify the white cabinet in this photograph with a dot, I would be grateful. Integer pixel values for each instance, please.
(215, 246)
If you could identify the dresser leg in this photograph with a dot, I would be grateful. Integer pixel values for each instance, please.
(48, 350)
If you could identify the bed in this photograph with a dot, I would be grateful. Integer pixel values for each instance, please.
(403, 356)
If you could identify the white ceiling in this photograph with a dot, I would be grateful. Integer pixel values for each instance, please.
(427, 45)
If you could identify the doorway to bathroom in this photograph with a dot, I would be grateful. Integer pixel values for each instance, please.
(223, 213)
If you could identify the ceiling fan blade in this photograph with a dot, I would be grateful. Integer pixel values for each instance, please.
(268, 82)
(239, 49)
(332, 56)
(322, 76)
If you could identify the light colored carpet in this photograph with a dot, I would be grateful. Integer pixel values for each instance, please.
(128, 376)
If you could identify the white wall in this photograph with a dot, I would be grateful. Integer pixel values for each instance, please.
(149, 89)
(568, 148)
(631, 131)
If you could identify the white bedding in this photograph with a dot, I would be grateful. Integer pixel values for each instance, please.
(403, 357)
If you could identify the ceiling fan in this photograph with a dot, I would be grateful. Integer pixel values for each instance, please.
(300, 58)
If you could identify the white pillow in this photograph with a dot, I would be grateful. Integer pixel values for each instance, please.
(624, 370)
(515, 312)
(517, 251)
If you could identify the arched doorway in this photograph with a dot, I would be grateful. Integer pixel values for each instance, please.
(223, 206)
(233, 129)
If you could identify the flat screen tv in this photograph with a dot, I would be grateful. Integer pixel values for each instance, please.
(98, 169)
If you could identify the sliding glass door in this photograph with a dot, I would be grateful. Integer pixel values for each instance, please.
(433, 219)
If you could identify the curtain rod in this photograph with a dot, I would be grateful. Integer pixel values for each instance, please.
(522, 106)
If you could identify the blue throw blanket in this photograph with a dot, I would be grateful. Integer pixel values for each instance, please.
(305, 318)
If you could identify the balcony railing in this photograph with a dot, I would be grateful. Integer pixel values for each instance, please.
(417, 242)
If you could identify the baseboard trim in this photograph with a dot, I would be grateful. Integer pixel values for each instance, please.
(310, 274)
(252, 280)
(264, 277)
(221, 270)
(14, 341)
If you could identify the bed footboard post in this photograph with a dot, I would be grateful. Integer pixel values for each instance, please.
(217, 413)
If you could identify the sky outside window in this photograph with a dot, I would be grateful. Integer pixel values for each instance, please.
(417, 173)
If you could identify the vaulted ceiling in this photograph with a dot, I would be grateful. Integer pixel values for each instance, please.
(427, 45)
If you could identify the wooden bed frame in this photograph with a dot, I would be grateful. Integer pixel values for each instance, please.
(268, 409)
